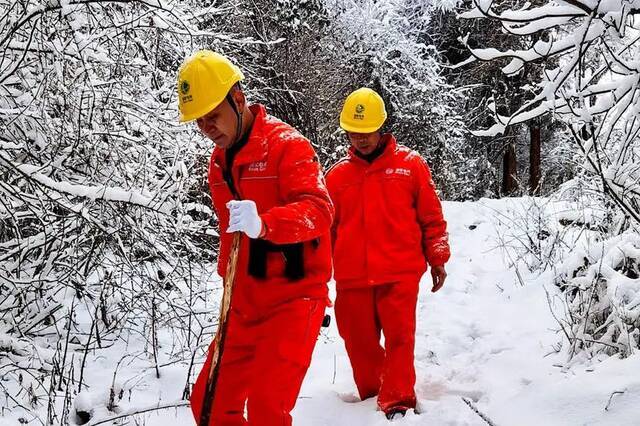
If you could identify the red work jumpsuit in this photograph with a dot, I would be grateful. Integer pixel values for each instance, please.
(276, 312)
(388, 226)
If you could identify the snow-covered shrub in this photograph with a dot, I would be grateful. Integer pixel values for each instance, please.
(596, 268)
(104, 213)
(602, 291)
(591, 82)
(529, 236)
(538, 233)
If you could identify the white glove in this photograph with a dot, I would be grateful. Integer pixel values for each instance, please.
(243, 216)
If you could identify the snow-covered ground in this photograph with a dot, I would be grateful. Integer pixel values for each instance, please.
(488, 336)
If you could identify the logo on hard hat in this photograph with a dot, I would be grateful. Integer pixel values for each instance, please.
(359, 108)
(184, 87)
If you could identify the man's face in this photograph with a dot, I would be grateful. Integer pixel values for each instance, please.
(365, 143)
(220, 124)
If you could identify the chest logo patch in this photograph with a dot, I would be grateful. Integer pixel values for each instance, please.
(398, 171)
(258, 166)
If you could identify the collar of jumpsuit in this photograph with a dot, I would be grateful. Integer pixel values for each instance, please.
(385, 149)
(251, 148)
(234, 149)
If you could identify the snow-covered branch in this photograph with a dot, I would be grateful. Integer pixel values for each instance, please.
(590, 50)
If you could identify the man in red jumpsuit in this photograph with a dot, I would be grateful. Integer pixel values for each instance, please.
(388, 227)
(265, 182)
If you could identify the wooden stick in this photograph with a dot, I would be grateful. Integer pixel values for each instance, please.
(218, 346)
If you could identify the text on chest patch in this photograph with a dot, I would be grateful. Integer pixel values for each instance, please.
(398, 171)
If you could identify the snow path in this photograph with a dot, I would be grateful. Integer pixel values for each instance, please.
(470, 340)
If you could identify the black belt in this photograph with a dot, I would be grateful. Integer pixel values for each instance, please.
(293, 258)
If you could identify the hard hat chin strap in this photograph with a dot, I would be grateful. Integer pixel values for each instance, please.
(238, 117)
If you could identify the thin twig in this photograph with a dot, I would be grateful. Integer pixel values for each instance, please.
(475, 409)
(611, 397)
(137, 411)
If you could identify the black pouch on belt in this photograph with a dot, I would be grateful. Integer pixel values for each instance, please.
(293, 258)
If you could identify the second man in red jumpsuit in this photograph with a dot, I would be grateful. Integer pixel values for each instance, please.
(388, 228)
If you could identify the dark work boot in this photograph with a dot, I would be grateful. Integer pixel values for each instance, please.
(395, 413)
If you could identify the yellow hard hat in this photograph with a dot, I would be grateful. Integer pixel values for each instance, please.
(204, 80)
(363, 112)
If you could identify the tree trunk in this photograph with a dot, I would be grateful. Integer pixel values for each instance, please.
(509, 169)
(534, 157)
